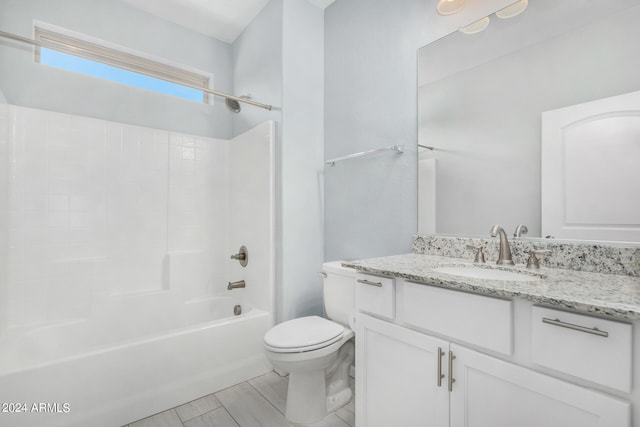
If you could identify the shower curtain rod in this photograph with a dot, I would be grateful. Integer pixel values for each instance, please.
(206, 90)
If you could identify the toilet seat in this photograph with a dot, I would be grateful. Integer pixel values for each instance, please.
(303, 334)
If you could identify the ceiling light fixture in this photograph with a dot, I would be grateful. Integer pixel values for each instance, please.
(449, 7)
(476, 27)
(512, 10)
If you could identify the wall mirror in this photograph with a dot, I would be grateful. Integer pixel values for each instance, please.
(481, 99)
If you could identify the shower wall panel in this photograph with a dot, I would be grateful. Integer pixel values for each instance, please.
(251, 189)
(135, 219)
(198, 212)
(101, 211)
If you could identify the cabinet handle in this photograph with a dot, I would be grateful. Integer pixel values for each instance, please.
(558, 322)
(440, 374)
(450, 371)
(370, 283)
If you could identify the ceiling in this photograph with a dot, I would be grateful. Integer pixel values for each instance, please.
(220, 19)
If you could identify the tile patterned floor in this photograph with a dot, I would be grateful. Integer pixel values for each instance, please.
(259, 402)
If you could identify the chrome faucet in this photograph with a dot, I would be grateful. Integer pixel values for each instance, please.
(236, 285)
(504, 257)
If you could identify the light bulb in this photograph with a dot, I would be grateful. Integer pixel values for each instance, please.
(476, 27)
(512, 10)
(449, 7)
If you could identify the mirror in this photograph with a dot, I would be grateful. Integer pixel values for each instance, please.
(480, 100)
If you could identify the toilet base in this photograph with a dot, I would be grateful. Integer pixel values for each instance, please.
(314, 394)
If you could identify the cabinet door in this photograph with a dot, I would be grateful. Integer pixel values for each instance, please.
(397, 376)
(491, 392)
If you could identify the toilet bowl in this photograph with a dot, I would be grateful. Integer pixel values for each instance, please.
(317, 353)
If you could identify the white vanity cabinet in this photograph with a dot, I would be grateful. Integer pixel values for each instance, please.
(491, 392)
(397, 376)
(412, 370)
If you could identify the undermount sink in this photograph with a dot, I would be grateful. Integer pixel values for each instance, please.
(476, 272)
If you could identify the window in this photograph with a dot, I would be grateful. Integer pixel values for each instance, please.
(98, 59)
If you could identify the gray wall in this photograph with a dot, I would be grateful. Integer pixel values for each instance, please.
(285, 43)
(371, 102)
(28, 84)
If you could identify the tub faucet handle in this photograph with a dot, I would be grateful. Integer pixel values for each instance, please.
(479, 258)
(242, 256)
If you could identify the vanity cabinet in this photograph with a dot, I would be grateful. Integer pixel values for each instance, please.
(412, 370)
(397, 376)
(491, 392)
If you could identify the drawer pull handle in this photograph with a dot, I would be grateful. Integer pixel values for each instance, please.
(440, 374)
(558, 322)
(369, 282)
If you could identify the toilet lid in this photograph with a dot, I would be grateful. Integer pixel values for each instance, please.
(303, 334)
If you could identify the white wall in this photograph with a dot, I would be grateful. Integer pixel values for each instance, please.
(284, 43)
(29, 84)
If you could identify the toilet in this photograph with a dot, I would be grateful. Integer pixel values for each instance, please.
(317, 353)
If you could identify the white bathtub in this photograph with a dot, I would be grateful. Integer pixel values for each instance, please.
(58, 375)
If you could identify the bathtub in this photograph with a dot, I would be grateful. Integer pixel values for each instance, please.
(58, 374)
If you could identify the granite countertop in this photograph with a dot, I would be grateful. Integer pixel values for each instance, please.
(607, 295)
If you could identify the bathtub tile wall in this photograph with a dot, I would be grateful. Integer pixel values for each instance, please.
(55, 161)
(198, 196)
(29, 230)
(251, 212)
(96, 210)
(136, 209)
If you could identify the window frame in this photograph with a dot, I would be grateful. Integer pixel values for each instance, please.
(93, 49)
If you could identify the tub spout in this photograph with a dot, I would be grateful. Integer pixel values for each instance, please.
(236, 285)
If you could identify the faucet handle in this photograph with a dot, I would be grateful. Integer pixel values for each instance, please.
(479, 254)
(242, 256)
(533, 261)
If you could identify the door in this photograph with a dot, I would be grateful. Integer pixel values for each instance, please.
(491, 392)
(397, 376)
(590, 170)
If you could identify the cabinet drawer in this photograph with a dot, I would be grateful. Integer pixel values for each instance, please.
(375, 295)
(587, 347)
(475, 319)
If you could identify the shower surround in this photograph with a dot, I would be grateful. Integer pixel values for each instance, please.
(115, 258)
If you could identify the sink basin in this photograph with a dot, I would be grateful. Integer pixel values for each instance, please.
(475, 272)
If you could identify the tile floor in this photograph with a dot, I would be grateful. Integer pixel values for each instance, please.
(259, 402)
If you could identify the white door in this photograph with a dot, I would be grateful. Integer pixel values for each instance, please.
(491, 392)
(397, 377)
(591, 170)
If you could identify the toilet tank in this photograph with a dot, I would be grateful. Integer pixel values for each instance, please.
(339, 291)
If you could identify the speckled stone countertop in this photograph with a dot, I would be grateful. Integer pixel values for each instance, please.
(607, 295)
